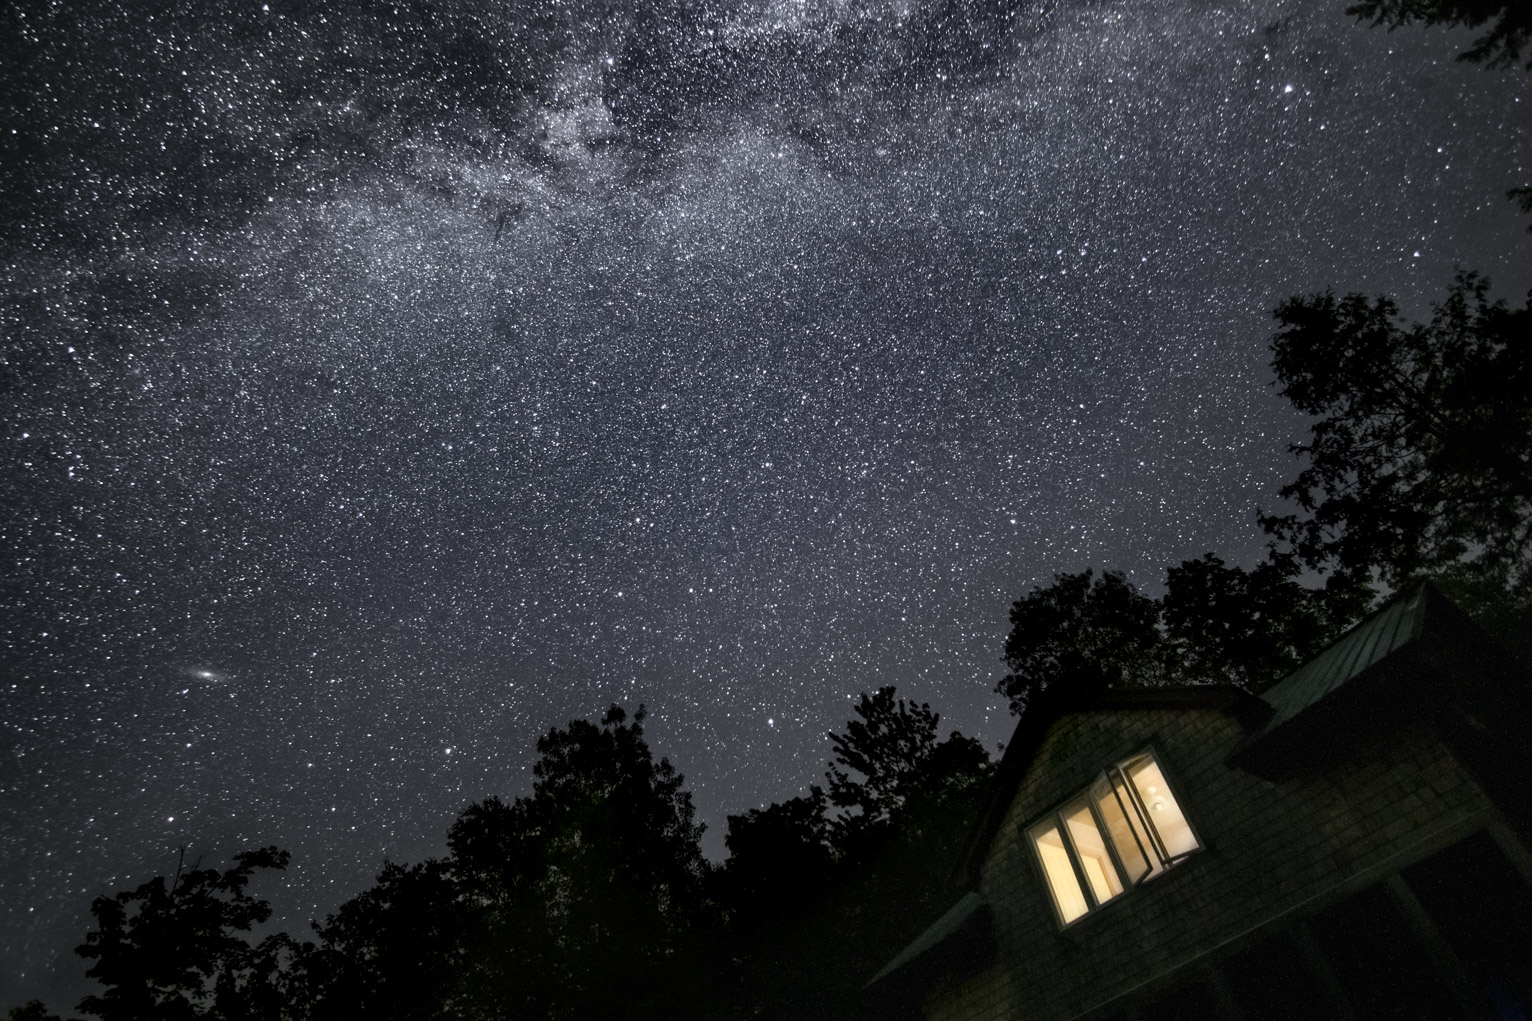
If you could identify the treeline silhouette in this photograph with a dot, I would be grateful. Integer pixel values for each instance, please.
(590, 897)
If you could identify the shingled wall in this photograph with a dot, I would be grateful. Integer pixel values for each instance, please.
(1271, 850)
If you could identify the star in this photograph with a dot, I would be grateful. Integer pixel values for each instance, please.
(374, 410)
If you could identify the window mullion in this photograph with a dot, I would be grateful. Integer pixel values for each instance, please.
(1112, 776)
(1085, 847)
(1109, 844)
(1142, 811)
(1074, 861)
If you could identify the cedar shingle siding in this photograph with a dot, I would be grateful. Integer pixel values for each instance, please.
(1289, 859)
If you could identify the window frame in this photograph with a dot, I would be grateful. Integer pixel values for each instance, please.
(1156, 856)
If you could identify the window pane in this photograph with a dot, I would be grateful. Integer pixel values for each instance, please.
(1095, 859)
(1061, 875)
(1129, 801)
(1164, 813)
(1131, 847)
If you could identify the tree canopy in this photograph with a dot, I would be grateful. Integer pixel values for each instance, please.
(889, 754)
(1419, 461)
(165, 952)
(823, 889)
(395, 951)
(1215, 624)
(1092, 632)
(591, 890)
(1231, 625)
(1508, 36)
(589, 897)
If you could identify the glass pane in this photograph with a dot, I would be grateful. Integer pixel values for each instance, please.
(1129, 802)
(1090, 844)
(1131, 847)
(1165, 816)
(1061, 874)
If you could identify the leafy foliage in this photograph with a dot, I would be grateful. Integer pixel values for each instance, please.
(905, 801)
(1418, 464)
(889, 771)
(1088, 631)
(1215, 624)
(393, 952)
(1523, 198)
(1510, 23)
(891, 740)
(583, 900)
(176, 951)
(777, 890)
(777, 852)
(595, 881)
(822, 890)
(1228, 625)
(1420, 461)
(32, 1010)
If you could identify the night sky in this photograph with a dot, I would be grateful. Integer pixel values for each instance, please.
(384, 386)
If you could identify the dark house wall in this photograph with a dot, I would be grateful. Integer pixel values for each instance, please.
(1286, 865)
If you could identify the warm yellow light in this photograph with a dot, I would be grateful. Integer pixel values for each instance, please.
(1095, 860)
(1169, 822)
(1129, 842)
(1124, 829)
(1061, 875)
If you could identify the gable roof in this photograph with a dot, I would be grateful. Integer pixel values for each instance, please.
(1419, 655)
(1420, 626)
(1358, 650)
(1419, 634)
(970, 911)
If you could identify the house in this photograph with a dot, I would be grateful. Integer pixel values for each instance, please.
(1351, 842)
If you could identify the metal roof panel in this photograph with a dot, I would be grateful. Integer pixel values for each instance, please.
(1360, 648)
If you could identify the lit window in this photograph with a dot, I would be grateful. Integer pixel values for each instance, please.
(1123, 829)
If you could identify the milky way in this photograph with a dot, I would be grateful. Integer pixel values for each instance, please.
(385, 386)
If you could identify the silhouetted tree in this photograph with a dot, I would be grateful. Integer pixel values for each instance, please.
(587, 898)
(877, 757)
(821, 890)
(1523, 198)
(32, 1010)
(171, 952)
(395, 951)
(584, 899)
(1229, 625)
(904, 801)
(779, 848)
(1420, 461)
(592, 888)
(1510, 23)
(889, 770)
(1215, 624)
(1088, 634)
(776, 888)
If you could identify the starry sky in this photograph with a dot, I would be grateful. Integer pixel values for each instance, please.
(384, 385)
